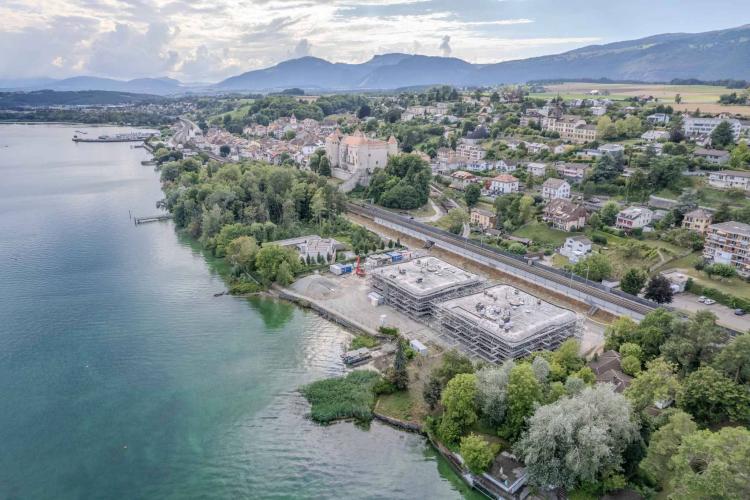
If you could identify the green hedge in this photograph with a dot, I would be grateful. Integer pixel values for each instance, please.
(718, 296)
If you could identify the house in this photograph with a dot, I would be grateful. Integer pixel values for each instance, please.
(576, 248)
(712, 156)
(697, 220)
(483, 218)
(555, 188)
(726, 179)
(313, 247)
(503, 184)
(536, 147)
(608, 370)
(565, 215)
(598, 110)
(655, 135)
(612, 149)
(461, 179)
(658, 119)
(634, 218)
(572, 171)
(728, 243)
(536, 169)
(696, 127)
(506, 165)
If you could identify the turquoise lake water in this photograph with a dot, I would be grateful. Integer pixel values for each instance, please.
(122, 376)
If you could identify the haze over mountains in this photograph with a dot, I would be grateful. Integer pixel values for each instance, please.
(714, 55)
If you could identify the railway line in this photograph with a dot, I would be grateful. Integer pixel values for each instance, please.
(636, 305)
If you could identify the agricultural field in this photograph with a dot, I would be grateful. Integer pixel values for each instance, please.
(705, 97)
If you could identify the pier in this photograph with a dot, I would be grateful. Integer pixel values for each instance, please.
(152, 218)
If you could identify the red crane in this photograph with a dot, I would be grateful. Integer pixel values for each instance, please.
(359, 271)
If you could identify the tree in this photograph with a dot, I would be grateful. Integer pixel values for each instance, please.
(664, 445)
(740, 157)
(608, 213)
(324, 167)
(364, 111)
(713, 465)
(472, 193)
(633, 280)
(240, 253)
(605, 128)
(567, 356)
(694, 342)
(659, 289)
(631, 365)
(476, 453)
(492, 382)
(723, 135)
(399, 376)
(224, 150)
(595, 267)
(607, 168)
(577, 439)
(456, 219)
(712, 398)
(658, 383)
(734, 359)
(459, 411)
(631, 349)
(284, 275)
(523, 392)
(269, 259)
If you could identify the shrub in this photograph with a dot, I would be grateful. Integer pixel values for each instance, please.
(477, 454)
(599, 239)
(363, 341)
(388, 330)
(351, 396)
(719, 296)
(244, 287)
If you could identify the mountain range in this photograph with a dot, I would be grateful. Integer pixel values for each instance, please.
(713, 55)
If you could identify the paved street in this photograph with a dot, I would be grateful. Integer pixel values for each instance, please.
(689, 303)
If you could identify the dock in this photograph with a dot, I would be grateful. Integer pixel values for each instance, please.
(152, 218)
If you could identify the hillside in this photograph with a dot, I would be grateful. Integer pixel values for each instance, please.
(42, 98)
(707, 56)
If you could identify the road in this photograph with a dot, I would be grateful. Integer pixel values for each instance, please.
(622, 300)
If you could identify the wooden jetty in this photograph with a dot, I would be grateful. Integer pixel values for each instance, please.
(152, 218)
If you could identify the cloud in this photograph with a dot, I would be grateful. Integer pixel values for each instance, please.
(302, 49)
(445, 46)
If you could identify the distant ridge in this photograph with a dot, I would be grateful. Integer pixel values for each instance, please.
(712, 55)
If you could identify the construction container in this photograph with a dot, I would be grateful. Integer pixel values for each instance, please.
(395, 256)
(419, 347)
(375, 298)
(339, 269)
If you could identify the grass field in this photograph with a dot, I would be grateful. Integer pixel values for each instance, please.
(542, 234)
(705, 97)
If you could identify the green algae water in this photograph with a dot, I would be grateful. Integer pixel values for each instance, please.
(122, 376)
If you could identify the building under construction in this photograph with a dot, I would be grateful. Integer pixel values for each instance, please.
(415, 286)
(503, 322)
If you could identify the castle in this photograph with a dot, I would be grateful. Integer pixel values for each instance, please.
(354, 157)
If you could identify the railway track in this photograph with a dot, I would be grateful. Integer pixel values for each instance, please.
(621, 299)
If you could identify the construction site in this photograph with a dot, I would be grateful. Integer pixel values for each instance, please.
(414, 287)
(503, 322)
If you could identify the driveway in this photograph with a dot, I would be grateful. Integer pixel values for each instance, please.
(689, 303)
(439, 213)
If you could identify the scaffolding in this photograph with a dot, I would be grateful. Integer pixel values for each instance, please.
(414, 287)
(503, 322)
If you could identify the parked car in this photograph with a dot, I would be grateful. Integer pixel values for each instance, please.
(701, 299)
(739, 312)
(708, 302)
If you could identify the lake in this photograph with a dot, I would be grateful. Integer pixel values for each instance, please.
(122, 376)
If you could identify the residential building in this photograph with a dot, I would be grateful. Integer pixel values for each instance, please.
(483, 218)
(655, 135)
(697, 220)
(555, 188)
(634, 218)
(695, 127)
(608, 370)
(536, 169)
(598, 110)
(576, 248)
(658, 119)
(502, 184)
(728, 243)
(470, 152)
(726, 179)
(506, 165)
(565, 215)
(573, 171)
(536, 147)
(571, 128)
(712, 156)
(612, 149)
(461, 179)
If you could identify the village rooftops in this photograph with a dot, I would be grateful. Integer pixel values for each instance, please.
(509, 314)
(426, 276)
(553, 183)
(734, 173)
(631, 213)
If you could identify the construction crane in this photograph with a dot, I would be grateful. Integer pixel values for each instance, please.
(359, 270)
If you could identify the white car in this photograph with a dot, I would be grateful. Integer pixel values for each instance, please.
(702, 299)
(708, 302)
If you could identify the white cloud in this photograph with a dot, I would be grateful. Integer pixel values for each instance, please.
(302, 49)
(445, 46)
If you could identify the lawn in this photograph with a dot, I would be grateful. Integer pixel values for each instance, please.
(397, 405)
(732, 286)
(542, 234)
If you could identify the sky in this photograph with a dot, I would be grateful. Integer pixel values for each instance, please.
(208, 40)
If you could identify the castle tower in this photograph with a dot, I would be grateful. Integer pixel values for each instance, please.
(392, 146)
